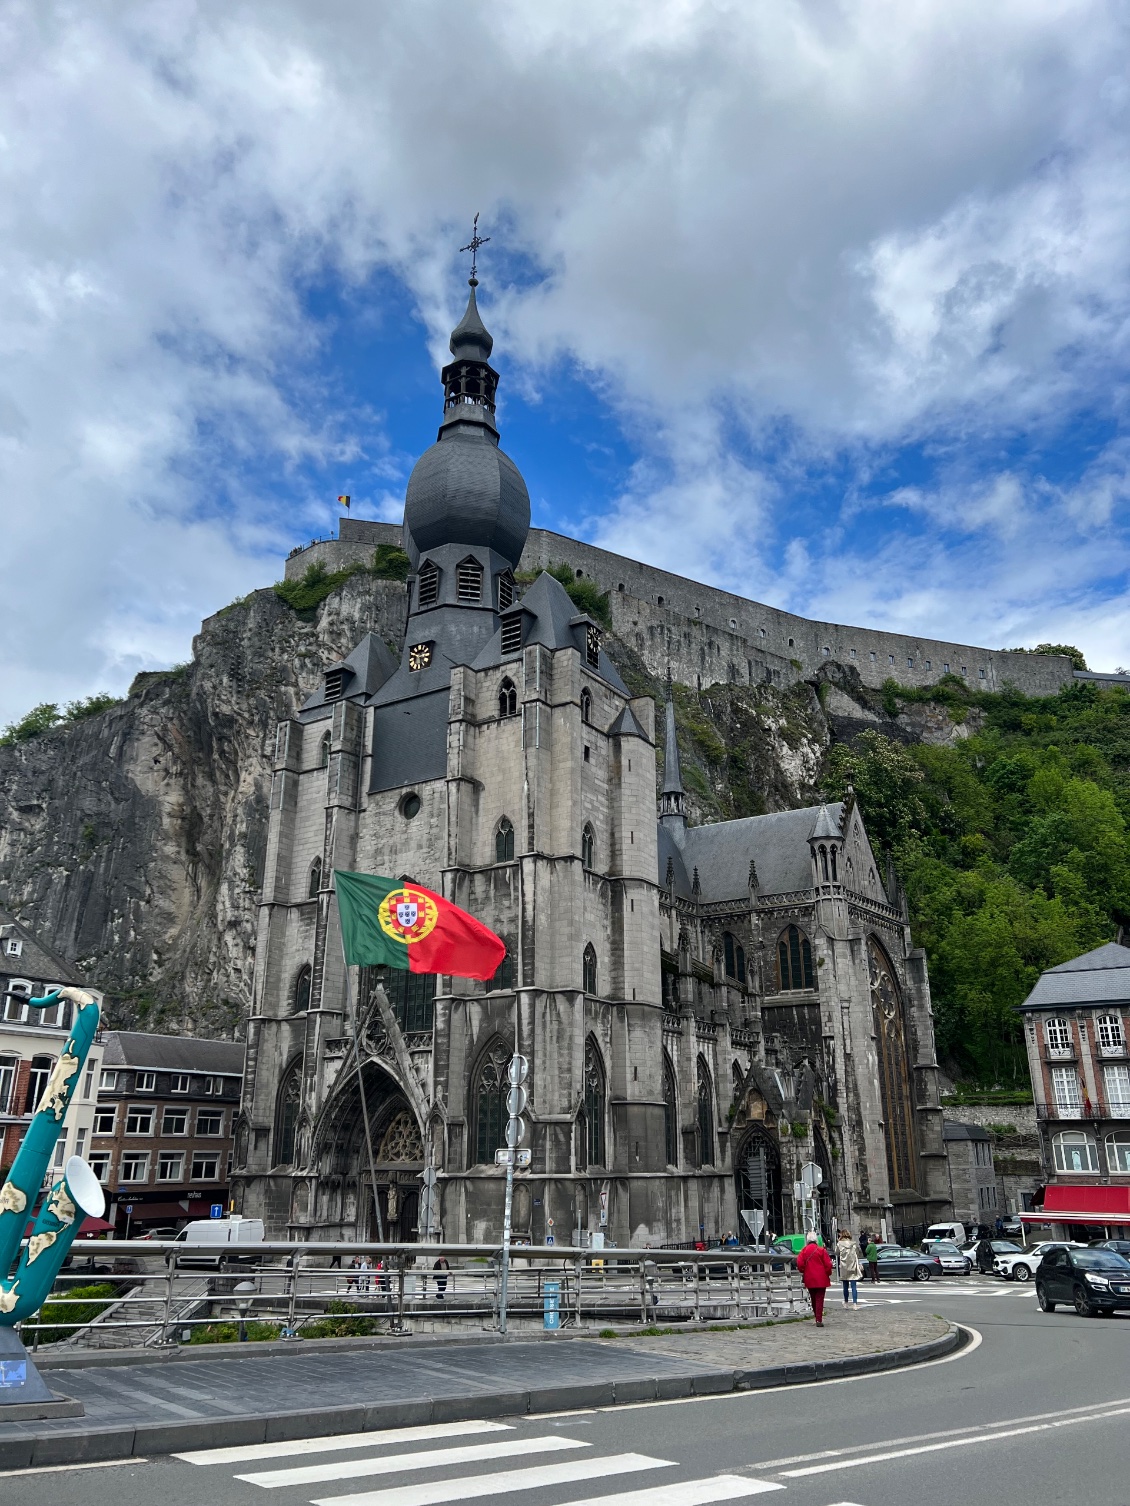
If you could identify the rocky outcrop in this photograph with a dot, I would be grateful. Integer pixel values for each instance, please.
(133, 841)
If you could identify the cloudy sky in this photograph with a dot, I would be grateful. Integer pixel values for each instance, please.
(823, 302)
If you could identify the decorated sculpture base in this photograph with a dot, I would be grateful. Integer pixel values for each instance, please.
(24, 1396)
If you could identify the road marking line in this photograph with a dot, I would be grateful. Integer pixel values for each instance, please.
(933, 1448)
(377, 1438)
(391, 1464)
(983, 1427)
(688, 1493)
(475, 1487)
(55, 1469)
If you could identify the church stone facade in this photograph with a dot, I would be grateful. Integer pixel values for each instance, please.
(705, 1010)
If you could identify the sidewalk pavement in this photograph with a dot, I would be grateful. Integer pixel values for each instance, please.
(143, 1404)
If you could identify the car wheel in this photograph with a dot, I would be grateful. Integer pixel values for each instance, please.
(1021, 1273)
(1046, 1305)
(967, 1268)
(1082, 1306)
(921, 1273)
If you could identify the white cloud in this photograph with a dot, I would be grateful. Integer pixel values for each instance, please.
(856, 223)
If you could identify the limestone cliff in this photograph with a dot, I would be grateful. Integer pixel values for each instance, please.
(133, 841)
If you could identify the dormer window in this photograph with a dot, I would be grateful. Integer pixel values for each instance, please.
(505, 591)
(592, 644)
(13, 946)
(512, 633)
(335, 681)
(427, 587)
(469, 581)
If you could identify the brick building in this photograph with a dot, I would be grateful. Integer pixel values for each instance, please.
(30, 1042)
(1076, 1023)
(162, 1132)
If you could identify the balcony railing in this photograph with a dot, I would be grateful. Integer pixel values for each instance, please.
(1068, 1111)
(1113, 1052)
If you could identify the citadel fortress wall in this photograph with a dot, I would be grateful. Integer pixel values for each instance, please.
(707, 636)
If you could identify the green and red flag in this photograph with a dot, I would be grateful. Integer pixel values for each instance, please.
(399, 924)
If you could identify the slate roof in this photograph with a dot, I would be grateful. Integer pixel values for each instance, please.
(672, 774)
(952, 1130)
(1098, 977)
(556, 624)
(37, 962)
(370, 664)
(825, 826)
(777, 844)
(626, 725)
(172, 1053)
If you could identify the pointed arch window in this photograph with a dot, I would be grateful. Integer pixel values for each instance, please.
(504, 841)
(413, 998)
(586, 705)
(489, 1100)
(824, 864)
(595, 1097)
(832, 860)
(507, 698)
(794, 961)
(588, 847)
(286, 1116)
(504, 977)
(469, 580)
(302, 986)
(670, 1114)
(705, 1115)
(588, 969)
(324, 750)
(427, 587)
(315, 881)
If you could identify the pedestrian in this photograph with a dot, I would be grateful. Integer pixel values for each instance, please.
(442, 1267)
(351, 1279)
(872, 1253)
(815, 1267)
(863, 1238)
(849, 1267)
(363, 1274)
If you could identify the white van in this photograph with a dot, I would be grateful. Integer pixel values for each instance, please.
(209, 1241)
(953, 1233)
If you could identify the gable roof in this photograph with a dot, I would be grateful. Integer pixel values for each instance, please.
(370, 664)
(1098, 977)
(555, 624)
(172, 1053)
(36, 962)
(776, 843)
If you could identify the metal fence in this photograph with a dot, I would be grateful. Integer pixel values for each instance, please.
(164, 1295)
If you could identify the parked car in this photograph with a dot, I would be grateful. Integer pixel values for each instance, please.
(1120, 1246)
(986, 1251)
(793, 1244)
(1023, 1267)
(894, 1260)
(1093, 1281)
(210, 1241)
(947, 1233)
(950, 1257)
(1011, 1224)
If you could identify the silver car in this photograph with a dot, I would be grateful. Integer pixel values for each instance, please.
(953, 1261)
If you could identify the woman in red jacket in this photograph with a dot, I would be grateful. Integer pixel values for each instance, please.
(815, 1267)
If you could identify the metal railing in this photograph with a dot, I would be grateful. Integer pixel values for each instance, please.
(163, 1297)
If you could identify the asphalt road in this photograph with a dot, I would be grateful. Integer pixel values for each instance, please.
(1034, 1410)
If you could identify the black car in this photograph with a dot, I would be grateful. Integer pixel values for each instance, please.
(989, 1249)
(1093, 1281)
(1121, 1246)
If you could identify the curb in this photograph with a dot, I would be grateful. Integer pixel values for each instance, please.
(98, 1444)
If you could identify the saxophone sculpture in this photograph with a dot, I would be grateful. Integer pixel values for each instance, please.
(74, 1196)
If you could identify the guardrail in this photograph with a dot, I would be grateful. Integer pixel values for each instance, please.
(166, 1295)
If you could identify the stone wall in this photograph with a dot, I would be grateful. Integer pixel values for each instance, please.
(711, 636)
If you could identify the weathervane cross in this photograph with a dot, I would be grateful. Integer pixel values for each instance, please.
(473, 245)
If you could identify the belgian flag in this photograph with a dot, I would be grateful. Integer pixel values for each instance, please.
(385, 921)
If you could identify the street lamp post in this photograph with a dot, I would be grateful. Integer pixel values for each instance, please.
(515, 1103)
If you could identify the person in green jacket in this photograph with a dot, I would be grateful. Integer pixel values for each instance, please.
(872, 1261)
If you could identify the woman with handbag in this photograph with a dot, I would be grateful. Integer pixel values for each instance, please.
(850, 1267)
(815, 1267)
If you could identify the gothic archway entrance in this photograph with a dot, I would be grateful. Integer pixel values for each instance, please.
(398, 1159)
(757, 1176)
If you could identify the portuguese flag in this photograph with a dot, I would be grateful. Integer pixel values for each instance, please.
(384, 921)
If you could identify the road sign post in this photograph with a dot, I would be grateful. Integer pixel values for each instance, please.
(515, 1102)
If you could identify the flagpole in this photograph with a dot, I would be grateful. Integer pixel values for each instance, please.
(361, 1090)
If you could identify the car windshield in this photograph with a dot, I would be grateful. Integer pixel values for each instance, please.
(1004, 1247)
(1100, 1260)
(944, 1247)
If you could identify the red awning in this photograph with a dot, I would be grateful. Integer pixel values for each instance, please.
(1068, 1203)
(93, 1227)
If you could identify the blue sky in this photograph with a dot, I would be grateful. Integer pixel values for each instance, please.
(825, 302)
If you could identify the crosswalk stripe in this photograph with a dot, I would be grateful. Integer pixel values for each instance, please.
(475, 1487)
(391, 1464)
(377, 1438)
(688, 1493)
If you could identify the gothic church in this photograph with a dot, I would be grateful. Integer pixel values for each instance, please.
(705, 1009)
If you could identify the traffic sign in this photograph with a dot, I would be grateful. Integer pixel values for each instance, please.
(811, 1175)
(519, 1158)
(515, 1100)
(518, 1070)
(129, 1207)
(515, 1128)
(428, 1176)
(216, 1211)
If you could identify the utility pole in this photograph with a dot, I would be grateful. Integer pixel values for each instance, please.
(515, 1102)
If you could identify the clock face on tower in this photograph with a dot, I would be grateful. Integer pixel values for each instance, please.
(419, 656)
